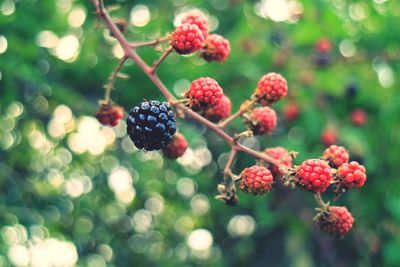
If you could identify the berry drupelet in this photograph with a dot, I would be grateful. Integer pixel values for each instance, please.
(151, 125)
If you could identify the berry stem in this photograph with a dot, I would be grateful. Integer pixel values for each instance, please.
(131, 53)
(161, 59)
(228, 179)
(320, 201)
(110, 81)
(243, 108)
(149, 43)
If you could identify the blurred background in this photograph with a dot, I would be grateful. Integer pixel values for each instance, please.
(75, 193)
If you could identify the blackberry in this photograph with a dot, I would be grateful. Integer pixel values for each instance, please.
(151, 125)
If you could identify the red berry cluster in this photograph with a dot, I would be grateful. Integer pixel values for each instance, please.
(177, 147)
(314, 175)
(217, 48)
(187, 39)
(291, 111)
(337, 155)
(109, 114)
(262, 120)
(271, 88)
(336, 221)
(351, 175)
(281, 154)
(358, 117)
(204, 93)
(256, 180)
(329, 137)
(323, 45)
(219, 111)
(192, 35)
(152, 126)
(197, 18)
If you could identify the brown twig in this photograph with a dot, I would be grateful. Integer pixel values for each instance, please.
(161, 59)
(243, 108)
(110, 81)
(149, 43)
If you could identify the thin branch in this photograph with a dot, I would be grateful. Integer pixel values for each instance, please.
(161, 59)
(110, 81)
(130, 53)
(320, 202)
(149, 43)
(228, 179)
(243, 108)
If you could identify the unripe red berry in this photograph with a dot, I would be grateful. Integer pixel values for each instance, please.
(176, 148)
(281, 154)
(187, 39)
(314, 175)
(271, 88)
(358, 117)
(204, 93)
(323, 45)
(336, 221)
(351, 175)
(291, 111)
(328, 137)
(217, 48)
(262, 120)
(220, 111)
(256, 180)
(197, 18)
(109, 114)
(337, 155)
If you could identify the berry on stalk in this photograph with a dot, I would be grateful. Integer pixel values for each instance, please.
(323, 45)
(256, 180)
(337, 155)
(281, 154)
(197, 18)
(351, 175)
(358, 117)
(328, 137)
(314, 175)
(176, 148)
(109, 114)
(204, 93)
(217, 48)
(336, 221)
(262, 120)
(271, 88)
(151, 125)
(187, 39)
(220, 111)
(291, 111)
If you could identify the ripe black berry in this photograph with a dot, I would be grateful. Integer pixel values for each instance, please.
(151, 125)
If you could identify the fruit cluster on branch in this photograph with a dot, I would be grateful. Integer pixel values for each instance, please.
(151, 125)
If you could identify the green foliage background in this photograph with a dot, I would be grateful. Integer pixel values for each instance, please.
(34, 82)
